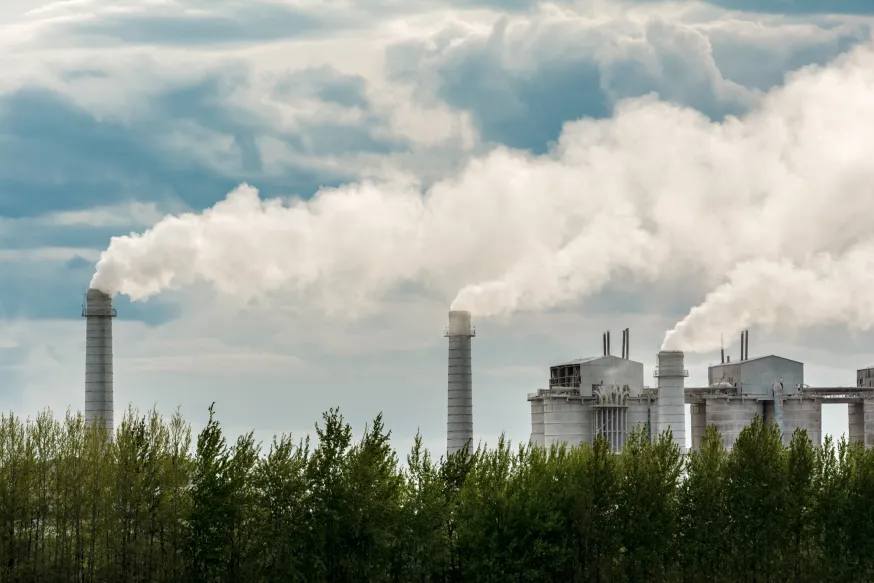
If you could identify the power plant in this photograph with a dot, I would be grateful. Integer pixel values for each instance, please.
(98, 313)
(606, 395)
(586, 397)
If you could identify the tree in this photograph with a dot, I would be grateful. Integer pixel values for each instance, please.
(209, 536)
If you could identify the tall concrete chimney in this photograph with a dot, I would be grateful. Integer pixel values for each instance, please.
(98, 313)
(459, 418)
(672, 399)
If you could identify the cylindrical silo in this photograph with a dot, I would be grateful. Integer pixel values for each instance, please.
(566, 421)
(671, 395)
(98, 313)
(459, 418)
(537, 429)
(800, 413)
(731, 415)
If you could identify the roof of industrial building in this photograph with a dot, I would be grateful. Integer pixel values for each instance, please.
(588, 359)
(752, 359)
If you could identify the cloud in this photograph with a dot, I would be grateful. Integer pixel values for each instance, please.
(523, 76)
(799, 6)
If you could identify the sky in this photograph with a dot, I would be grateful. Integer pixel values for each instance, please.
(515, 120)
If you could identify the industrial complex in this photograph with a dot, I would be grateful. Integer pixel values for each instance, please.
(586, 397)
(606, 395)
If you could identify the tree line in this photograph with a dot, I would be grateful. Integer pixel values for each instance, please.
(154, 505)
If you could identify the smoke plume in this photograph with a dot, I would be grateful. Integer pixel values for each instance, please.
(774, 205)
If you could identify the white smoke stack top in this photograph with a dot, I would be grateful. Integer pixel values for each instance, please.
(459, 413)
(99, 402)
(672, 398)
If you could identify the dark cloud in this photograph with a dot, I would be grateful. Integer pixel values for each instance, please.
(60, 157)
(799, 6)
(526, 108)
(326, 84)
(215, 23)
(774, 58)
(716, 71)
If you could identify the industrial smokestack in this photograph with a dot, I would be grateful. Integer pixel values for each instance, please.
(459, 418)
(98, 313)
(609, 350)
(604, 344)
(746, 344)
(743, 338)
(627, 343)
(671, 395)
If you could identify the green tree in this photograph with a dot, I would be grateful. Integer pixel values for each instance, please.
(210, 522)
(702, 511)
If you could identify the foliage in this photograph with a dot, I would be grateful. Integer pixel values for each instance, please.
(151, 506)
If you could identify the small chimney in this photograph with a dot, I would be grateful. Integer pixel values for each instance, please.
(628, 343)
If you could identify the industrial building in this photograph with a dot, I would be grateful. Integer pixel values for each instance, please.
(606, 395)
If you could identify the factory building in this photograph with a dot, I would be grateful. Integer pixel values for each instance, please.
(606, 395)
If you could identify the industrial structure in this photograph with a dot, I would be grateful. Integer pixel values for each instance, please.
(98, 313)
(459, 417)
(606, 395)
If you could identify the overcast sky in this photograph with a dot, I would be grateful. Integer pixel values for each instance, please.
(114, 113)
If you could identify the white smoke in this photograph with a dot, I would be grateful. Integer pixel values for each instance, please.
(825, 290)
(655, 190)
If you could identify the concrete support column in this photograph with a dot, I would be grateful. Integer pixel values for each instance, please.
(699, 424)
(868, 416)
(856, 422)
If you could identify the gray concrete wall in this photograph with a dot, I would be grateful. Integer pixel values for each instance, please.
(856, 422)
(637, 413)
(758, 376)
(566, 421)
(699, 424)
(868, 412)
(729, 372)
(537, 423)
(611, 370)
(731, 415)
(802, 414)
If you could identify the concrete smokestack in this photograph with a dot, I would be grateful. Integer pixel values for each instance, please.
(459, 418)
(98, 313)
(672, 400)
